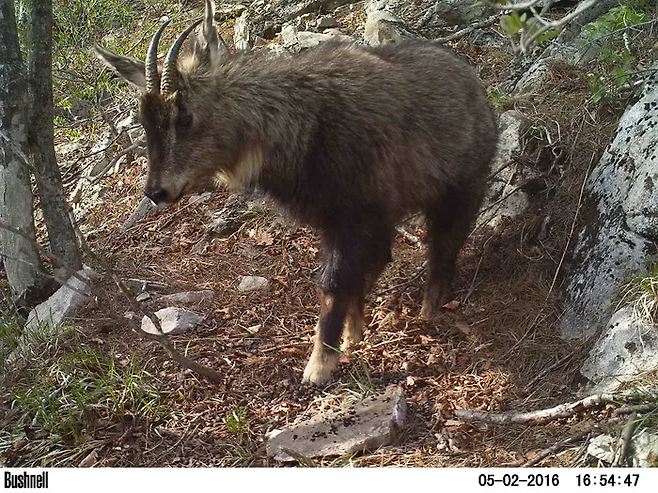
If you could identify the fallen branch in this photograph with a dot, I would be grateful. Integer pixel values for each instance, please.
(543, 416)
(411, 237)
(160, 337)
(625, 441)
(467, 30)
(554, 449)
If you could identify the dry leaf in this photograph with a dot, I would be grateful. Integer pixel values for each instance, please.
(452, 305)
(261, 238)
(463, 327)
(343, 359)
(253, 330)
(411, 381)
(452, 423)
(280, 280)
(90, 460)
(426, 339)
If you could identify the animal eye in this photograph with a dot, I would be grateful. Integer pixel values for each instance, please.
(184, 119)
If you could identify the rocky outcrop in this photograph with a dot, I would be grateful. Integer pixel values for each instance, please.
(622, 226)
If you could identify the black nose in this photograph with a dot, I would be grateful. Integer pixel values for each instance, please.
(157, 196)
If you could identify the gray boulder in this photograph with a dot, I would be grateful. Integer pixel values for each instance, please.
(618, 242)
(504, 198)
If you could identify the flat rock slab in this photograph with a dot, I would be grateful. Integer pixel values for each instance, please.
(63, 303)
(358, 427)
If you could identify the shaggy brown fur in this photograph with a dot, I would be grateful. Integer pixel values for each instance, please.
(346, 138)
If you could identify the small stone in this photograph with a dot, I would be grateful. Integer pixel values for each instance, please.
(326, 23)
(366, 425)
(603, 448)
(143, 296)
(172, 320)
(253, 283)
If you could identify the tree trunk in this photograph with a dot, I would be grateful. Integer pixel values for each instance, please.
(22, 262)
(62, 238)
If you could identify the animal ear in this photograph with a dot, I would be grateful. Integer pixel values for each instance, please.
(130, 69)
(209, 46)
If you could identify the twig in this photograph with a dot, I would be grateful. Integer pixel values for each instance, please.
(160, 337)
(128, 150)
(405, 283)
(638, 408)
(592, 430)
(549, 369)
(625, 441)
(562, 411)
(477, 270)
(572, 229)
(467, 30)
(411, 237)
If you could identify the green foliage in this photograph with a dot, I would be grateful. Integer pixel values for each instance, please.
(615, 61)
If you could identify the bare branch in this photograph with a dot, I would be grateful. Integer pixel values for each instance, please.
(467, 30)
(625, 441)
(160, 337)
(512, 6)
(526, 42)
(562, 411)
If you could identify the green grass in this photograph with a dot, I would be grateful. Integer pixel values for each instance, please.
(236, 422)
(11, 327)
(66, 393)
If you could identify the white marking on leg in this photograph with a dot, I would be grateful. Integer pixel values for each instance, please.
(319, 367)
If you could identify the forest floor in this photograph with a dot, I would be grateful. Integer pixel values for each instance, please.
(495, 347)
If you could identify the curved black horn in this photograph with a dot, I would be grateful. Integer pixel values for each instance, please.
(152, 76)
(169, 71)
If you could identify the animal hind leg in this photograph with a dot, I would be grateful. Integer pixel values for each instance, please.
(448, 226)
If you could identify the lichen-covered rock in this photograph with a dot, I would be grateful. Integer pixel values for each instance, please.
(619, 240)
